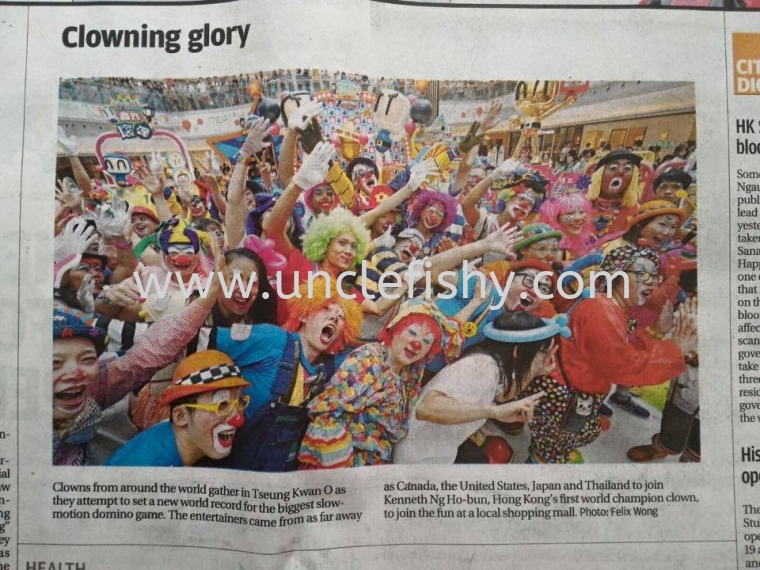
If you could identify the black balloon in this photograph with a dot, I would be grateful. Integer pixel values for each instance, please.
(269, 109)
(421, 111)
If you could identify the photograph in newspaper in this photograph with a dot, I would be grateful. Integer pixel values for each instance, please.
(307, 269)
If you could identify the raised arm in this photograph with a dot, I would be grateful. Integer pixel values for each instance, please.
(417, 176)
(311, 173)
(69, 146)
(470, 201)
(234, 221)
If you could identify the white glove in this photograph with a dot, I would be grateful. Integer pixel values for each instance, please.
(419, 173)
(112, 220)
(304, 114)
(257, 132)
(75, 238)
(385, 240)
(505, 168)
(155, 163)
(68, 144)
(85, 294)
(315, 166)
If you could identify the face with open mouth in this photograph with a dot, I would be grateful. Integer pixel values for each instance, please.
(660, 230)
(323, 328)
(408, 249)
(520, 206)
(364, 179)
(181, 258)
(412, 343)
(75, 368)
(616, 178)
(642, 282)
(143, 225)
(521, 295)
(341, 253)
(240, 272)
(211, 434)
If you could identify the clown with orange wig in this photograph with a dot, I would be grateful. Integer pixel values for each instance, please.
(365, 408)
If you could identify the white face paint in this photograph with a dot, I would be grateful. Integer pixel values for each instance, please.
(224, 433)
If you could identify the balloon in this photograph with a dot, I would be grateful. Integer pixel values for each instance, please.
(421, 111)
(269, 109)
(479, 111)
(199, 121)
(275, 128)
(363, 139)
(410, 127)
(187, 125)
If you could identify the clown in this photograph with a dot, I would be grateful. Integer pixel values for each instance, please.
(521, 199)
(364, 409)
(599, 353)
(182, 259)
(287, 368)
(540, 241)
(431, 214)
(83, 386)
(206, 403)
(614, 191)
(568, 210)
(481, 385)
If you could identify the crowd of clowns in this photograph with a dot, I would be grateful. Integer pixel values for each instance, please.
(254, 380)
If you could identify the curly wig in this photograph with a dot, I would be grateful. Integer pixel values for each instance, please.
(427, 197)
(326, 228)
(558, 206)
(305, 306)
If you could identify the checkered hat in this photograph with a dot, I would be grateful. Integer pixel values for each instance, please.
(205, 371)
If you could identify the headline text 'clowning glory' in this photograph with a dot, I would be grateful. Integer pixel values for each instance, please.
(169, 40)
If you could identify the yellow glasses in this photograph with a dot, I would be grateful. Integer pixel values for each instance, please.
(224, 408)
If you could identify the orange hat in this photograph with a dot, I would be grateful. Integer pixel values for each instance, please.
(655, 208)
(205, 371)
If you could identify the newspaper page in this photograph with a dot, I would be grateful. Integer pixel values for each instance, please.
(367, 284)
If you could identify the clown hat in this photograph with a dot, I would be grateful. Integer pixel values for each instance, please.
(655, 208)
(177, 231)
(515, 327)
(618, 154)
(533, 233)
(451, 336)
(205, 371)
(378, 194)
(69, 323)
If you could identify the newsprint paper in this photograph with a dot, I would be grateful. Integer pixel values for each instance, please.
(323, 286)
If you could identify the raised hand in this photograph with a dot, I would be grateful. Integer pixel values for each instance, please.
(304, 115)
(506, 168)
(68, 143)
(112, 220)
(471, 139)
(75, 238)
(315, 166)
(258, 131)
(420, 172)
(492, 117)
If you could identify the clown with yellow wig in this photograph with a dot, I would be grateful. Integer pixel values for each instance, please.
(614, 191)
